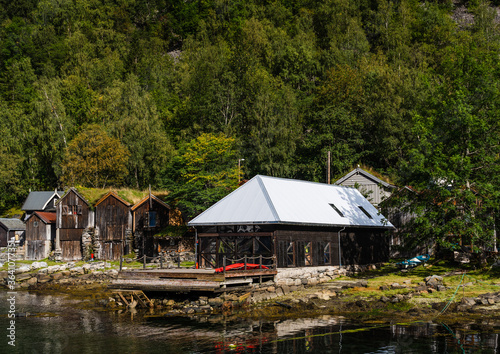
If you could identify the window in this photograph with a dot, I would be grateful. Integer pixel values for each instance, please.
(327, 254)
(72, 209)
(337, 210)
(35, 223)
(364, 211)
(308, 254)
(152, 219)
(290, 255)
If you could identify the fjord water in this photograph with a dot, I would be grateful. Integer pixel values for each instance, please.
(57, 324)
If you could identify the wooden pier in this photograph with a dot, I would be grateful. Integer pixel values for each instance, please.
(186, 280)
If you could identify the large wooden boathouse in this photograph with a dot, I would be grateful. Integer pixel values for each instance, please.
(298, 223)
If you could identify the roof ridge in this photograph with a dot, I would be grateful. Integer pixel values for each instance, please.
(139, 203)
(268, 198)
(114, 194)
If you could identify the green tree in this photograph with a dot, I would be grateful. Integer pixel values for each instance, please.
(455, 162)
(205, 171)
(130, 114)
(94, 159)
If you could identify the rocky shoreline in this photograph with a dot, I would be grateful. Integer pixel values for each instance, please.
(269, 299)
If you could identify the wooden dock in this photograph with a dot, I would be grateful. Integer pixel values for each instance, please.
(186, 280)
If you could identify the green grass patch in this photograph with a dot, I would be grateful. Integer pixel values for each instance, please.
(479, 281)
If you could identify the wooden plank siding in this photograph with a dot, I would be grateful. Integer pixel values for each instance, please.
(112, 217)
(70, 234)
(110, 250)
(36, 250)
(141, 215)
(73, 216)
(71, 250)
(374, 192)
(149, 216)
(3, 236)
(40, 237)
(72, 212)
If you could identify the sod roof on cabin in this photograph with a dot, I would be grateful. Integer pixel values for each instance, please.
(132, 196)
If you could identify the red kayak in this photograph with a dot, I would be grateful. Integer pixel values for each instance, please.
(240, 266)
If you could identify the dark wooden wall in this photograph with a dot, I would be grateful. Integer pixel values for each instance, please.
(38, 232)
(307, 247)
(72, 219)
(365, 246)
(298, 246)
(72, 212)
(141, 215)
(3, 237)
(112, 219)
(71, 250)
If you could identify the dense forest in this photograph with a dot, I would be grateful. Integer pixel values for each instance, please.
(173, 93)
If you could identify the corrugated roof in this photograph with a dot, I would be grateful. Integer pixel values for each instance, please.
(264, 200)
(13, 223)
(48, 218)
(37, 200)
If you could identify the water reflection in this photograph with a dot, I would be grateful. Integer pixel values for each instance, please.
(59, 325)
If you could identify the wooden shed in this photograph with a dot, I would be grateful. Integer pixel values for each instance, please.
(73, 217)
(373, 188)
(150, 215)
(40, 235)
(11, 228)
(296, 223)
(113, 222)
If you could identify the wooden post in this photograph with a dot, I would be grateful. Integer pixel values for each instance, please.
(121, 263)
(224, 266)
(178, 260)
(161, 262)
(144, 261)
(245, 262)
(260, 267)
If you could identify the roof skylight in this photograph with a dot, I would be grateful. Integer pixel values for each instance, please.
(364, 211)
(336, 209)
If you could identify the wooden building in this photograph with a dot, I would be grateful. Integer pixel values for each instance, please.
(373, 188)
(40, 235)
(296, 223)
(73, 217)
(113, 222)
(41, 201)
(11, 228)
(150, 216)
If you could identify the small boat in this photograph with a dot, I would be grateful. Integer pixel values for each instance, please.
(240, 266)
(413, 262)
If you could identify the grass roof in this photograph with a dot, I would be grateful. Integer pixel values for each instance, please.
(133, 196)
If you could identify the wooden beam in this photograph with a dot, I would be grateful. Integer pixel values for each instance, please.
(247, 234)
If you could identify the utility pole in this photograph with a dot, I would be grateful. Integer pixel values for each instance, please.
(328, 169)
(239, 169)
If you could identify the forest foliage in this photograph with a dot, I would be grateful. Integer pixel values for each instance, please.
(408, 87)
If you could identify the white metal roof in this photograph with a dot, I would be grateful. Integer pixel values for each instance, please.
(265, 200)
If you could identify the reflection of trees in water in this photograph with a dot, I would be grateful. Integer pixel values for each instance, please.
(74, 328)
